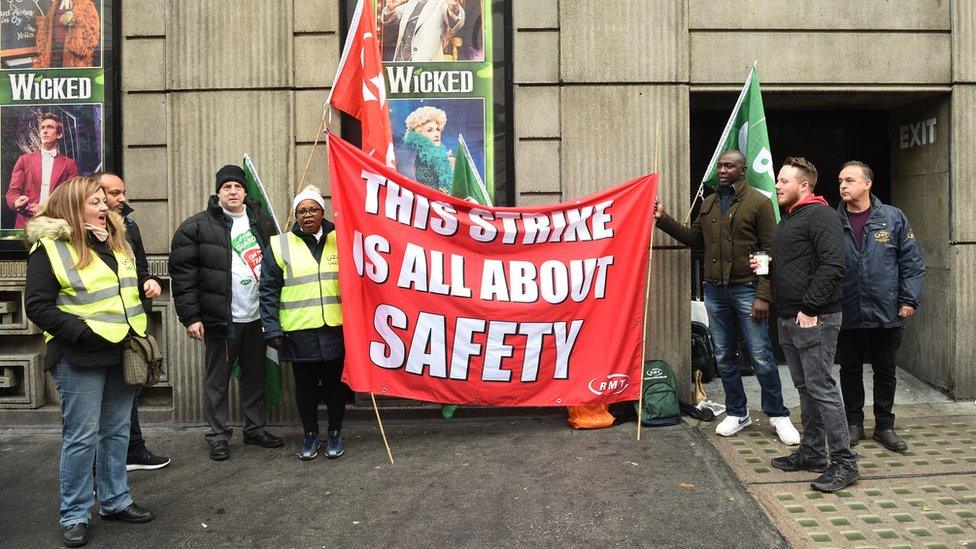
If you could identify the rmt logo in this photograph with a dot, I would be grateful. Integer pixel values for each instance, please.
(613, 384)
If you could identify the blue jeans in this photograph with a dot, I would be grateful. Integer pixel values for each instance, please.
(95, 408)
(727, 306)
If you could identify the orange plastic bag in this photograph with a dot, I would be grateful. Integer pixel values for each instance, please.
(590, 417)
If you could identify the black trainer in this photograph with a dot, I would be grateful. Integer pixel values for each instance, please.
(857, 433)
(890, 440)
(263, 439)
(837, 477)
(148, 462)
(796, 462)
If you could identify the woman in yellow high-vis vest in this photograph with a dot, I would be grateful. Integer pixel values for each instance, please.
(301, 317)
(84, 292)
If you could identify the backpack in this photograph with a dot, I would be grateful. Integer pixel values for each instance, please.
(660, 395)
(702, 352)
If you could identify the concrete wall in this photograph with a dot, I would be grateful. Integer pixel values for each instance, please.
(963, 217)
(920, 186)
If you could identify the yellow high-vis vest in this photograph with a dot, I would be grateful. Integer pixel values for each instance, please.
(108, 302)
(310, 293)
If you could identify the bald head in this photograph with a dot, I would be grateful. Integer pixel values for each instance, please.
(114, 189)
(731, 167)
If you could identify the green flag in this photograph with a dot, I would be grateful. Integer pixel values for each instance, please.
(272, 366)
(746, 132)
(468, 184)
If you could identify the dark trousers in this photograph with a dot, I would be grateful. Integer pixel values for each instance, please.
(247, 346)
(308, 375)
(137, 445)
(810, 354)
(881, 346)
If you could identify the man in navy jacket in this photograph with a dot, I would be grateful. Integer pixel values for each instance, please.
(882, 288)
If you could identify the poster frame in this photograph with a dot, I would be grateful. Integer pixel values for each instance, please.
(11, 240)
(502, 138)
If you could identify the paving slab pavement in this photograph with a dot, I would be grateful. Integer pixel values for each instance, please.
(484, 482)
(925, 497)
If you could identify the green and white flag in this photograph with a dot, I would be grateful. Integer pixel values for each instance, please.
(746, 132)
(272, 365)
(468, 184)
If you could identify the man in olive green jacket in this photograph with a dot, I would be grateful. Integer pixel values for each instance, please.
(733, 223)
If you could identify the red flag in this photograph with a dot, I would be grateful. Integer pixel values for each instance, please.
(359, 88)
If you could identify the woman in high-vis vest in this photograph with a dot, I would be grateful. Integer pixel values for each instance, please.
(302, 317)
(83, 291)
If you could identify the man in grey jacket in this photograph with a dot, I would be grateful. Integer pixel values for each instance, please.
(882, 288)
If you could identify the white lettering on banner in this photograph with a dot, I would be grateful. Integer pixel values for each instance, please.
(586, 224)
(386, 318)
(522, 283)
(613, 383)
(429, 346)
(414, 274)
(408, 79)
(917, 134)
(429, 350)
(406, 208)
(30, 87)
(374, 245)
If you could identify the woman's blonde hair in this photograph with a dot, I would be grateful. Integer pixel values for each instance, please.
(67, 202)
(422, 115)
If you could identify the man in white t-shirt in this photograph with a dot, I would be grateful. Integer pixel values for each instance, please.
(215, 265)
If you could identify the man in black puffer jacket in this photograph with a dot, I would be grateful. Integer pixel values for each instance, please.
(215, 265)
(807, 268)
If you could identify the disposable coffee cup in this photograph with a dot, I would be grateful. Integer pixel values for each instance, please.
(763, 259)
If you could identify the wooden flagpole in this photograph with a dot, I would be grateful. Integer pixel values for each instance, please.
(326, 114)
(389, 454)
(647, 289)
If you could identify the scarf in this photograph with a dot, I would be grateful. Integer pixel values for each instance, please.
(98, 232)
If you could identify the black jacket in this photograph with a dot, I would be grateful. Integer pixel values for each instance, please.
(315, 345)
(808, 261)
(73, 339)
(200, 265)
(139, 251)
(886, 272)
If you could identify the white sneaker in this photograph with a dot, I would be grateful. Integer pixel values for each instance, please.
(732, 425)
(785, 430)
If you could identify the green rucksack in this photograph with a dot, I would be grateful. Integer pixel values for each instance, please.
(660, 395)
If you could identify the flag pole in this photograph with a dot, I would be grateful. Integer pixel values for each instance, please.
(647, 291)
(379, 421)
(301, 182)
(721, 141)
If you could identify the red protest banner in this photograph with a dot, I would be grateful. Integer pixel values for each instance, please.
(448, 301)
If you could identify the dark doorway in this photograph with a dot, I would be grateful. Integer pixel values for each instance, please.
(828, 138)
